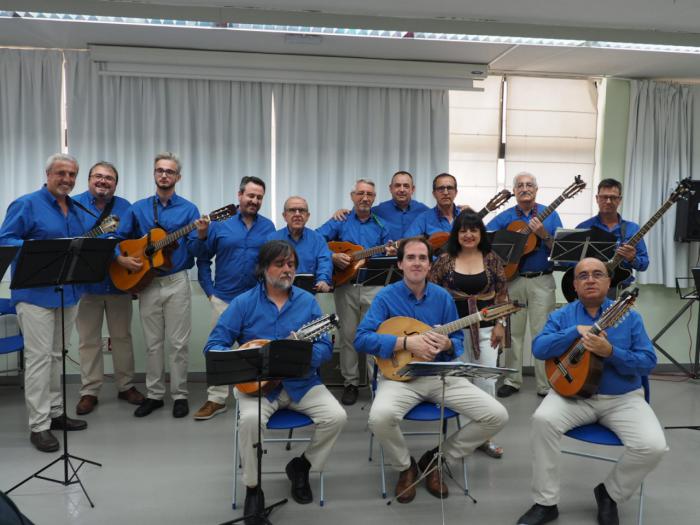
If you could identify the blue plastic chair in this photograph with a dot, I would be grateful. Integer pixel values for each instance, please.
(597, 434)
(11, 343)
(283, 419)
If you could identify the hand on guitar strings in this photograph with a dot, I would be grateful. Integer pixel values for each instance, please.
(427, 345)
(627, 252)
(341, 260)
(537, 228)
(390, 249)
(133, 264)
(202, 226)
(596, 344)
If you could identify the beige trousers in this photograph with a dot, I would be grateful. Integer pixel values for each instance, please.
(41, 329)
(217, 394)
(488, 357)
(92, 310)
(165, 308)
(351, 304)
(628, 415)
(318, 403)
(539, 295)
(394, 399)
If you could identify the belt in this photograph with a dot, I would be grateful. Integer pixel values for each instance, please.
(530, 275)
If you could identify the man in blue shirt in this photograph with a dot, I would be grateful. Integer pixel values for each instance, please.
(365, 229)
(429, 303)
(234, 245)
(48, 213)
(273, 309)
(534, 284)
(165, 305)
(627, 355)
(399, 212)
(312, 250)
(441, 217)
(104, 299)
(609, 198)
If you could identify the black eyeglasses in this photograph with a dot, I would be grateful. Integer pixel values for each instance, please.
(165, 171)
(441, 189)
(294, 211)
(611, 198)
(596, 276)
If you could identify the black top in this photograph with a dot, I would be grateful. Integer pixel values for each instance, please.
(471, 285)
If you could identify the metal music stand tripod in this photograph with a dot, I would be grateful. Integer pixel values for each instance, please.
(55, 263)
(280, 359)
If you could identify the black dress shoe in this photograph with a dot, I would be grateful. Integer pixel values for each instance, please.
(507, 391)
(148, 406)
(71, 424)
(44, 441)
(181, 408)
(539, 514)
(607, 508)
(254, 505)
(298, 473)
(350, 394)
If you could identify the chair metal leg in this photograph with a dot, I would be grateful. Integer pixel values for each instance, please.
(371, 443)
(289, 440)
(640, 518)
(381, 467)
(236, 461)
(322, 500)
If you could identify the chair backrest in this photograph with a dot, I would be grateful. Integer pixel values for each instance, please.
(10, 336)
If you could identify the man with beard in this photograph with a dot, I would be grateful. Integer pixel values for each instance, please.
(165, 305)
(441, 217)
(534, 284)
(104, 299)
(234, 245)
(273, 309)
(48, 213)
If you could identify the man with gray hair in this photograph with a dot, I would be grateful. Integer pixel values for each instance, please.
(48, 213)
(363, 228)
(534, 283)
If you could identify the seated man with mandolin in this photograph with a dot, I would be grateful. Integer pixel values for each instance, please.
(274, 309)
(626, 354)
(427, 305)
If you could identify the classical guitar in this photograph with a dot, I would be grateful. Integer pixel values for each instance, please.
(309, 332)
(154, 251)
(405, 326)
(577, 371)
(108, 225)
(523, 227)
(619, 274)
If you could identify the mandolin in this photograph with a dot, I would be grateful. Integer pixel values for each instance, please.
(577, 371)
(405, 326)
(309, 332)
(153, 250)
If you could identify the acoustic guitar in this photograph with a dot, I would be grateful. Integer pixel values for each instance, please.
(576, 373)
(309, 332)
(154, 250)
(406, 326)
(108, 225)
(533, 240)
(619, 274)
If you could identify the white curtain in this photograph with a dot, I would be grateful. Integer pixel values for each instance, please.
(30, 119)
(219, 129)
(659, 154)
(328, 136)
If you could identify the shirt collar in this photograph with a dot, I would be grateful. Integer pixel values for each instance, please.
(409, 293)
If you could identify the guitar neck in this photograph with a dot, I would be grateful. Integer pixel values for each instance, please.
(483, 212)
(97, 230)
(369, 252)
(174, 236)
(459, 324)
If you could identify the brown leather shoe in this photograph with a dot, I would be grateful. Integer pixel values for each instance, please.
(434, 482)
(132, 396)
(404, 494)
(86, 405)
(44, 441)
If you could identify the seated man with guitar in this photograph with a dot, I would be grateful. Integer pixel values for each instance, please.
(531, 281)
(421, 303)
(616, 397)
(274, 309)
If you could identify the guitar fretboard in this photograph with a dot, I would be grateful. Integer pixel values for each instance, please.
(448, 328)
(369, 252)
(545, 213)
(172, 237)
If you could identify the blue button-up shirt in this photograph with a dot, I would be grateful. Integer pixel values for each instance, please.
(632, 355)
(434, 308)
(431, 221)
(312, 252)
(252, 315)
(235, 248)
(179, 212)
(641, 260)
(120, 207)
(538, 260)
(397, 221)
(38, 216)
(368, 233)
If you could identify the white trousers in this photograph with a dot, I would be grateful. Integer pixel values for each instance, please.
(217, 394)
(628, 415)
(351, 304)
(41, 329)
(539, 295)
(165, 309)
(488, 357)
(92, 310)
(394, 399)
(318, 403)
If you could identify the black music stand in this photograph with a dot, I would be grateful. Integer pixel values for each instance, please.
(570, 246)
(7, 255)
(280, 359)
(379, 271)
(508, 245)
(55, 263)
